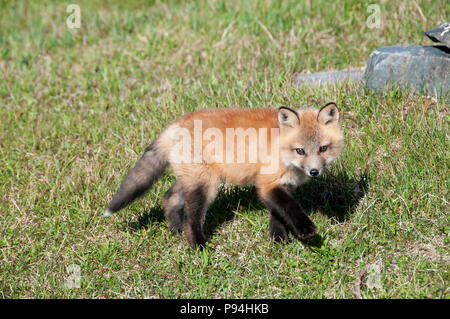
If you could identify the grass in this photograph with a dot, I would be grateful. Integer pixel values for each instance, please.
(78, 107)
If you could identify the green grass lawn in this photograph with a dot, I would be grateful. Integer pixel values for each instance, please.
(78, 107)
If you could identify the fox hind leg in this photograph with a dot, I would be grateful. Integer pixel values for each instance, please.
(198, 198)
(173, 203)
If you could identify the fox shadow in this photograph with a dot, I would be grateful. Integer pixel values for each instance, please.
(335, 196)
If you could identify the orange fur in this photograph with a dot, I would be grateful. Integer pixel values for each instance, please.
(273, 150)
(308, 132)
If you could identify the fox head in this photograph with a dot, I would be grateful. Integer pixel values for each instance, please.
(310, 139)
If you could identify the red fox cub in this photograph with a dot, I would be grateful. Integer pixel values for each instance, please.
(274, 150)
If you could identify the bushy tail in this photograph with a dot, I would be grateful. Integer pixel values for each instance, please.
(140, 178)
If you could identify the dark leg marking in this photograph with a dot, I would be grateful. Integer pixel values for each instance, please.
(173, 203)
(277, 230)
(196, 205)
(288, 212)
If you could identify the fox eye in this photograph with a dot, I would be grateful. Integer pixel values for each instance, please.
(300, 151)
(323, 148)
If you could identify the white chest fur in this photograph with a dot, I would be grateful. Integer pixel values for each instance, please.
(293, 178)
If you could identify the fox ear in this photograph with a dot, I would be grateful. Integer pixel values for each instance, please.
(328, 114)
(287, 117)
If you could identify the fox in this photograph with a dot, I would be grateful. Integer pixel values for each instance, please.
(274, 150)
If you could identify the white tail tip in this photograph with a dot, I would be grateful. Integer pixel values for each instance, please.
(107, 213)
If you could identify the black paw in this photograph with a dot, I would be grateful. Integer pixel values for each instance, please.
(196, 239)
(175, 228)
(200, 244)
(305, 228)
(175, 222)
(279, 237)
(278, 231)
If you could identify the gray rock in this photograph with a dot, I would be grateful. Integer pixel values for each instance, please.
(324, 78)
(414, 67)
(440, 34)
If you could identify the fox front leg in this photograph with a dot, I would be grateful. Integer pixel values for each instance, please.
(286, 211)
(278, 231)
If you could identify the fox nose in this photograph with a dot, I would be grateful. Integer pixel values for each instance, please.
(314, 172)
